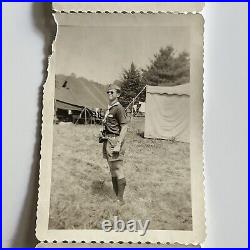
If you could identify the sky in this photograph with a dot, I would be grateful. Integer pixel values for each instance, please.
(101, 53)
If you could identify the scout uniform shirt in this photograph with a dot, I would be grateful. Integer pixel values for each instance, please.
(114, 118)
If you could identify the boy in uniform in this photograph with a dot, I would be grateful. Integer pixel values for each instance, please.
(113, 138)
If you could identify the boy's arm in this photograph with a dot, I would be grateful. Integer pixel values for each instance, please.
(124, 128)
(123, 122)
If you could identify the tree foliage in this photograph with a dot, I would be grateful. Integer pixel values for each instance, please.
(131, 85)
(167, 68)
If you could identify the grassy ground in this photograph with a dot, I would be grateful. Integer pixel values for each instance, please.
(157, 172)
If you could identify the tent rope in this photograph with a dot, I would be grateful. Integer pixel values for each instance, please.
(135, 97)
(80, 115)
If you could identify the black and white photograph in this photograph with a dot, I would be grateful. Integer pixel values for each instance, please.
(124, 125)
(131, 86)
(120, 148)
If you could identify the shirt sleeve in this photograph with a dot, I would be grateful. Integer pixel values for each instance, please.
(121, 116)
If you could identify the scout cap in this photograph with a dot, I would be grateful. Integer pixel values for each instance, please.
(114, 86)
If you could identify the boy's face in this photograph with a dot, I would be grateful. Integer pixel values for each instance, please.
(112, 94)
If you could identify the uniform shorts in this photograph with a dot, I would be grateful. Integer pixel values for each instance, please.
(108, 145)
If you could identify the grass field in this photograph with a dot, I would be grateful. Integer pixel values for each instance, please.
(157, 173)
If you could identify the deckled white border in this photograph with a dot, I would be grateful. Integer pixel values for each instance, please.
(196, 159)
(135, 7)
(110, 245)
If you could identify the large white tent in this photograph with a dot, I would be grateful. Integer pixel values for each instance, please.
(167, 112)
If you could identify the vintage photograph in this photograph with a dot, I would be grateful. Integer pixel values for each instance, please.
(121, 130)
(120, 148)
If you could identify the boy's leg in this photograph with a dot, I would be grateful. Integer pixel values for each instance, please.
(117, 166)
(114, 178)
(121, 188)
(115, 185)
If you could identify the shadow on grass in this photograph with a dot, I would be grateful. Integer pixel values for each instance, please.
(100, 188)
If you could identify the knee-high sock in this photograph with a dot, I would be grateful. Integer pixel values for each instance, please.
(115, 185)
(121, 188)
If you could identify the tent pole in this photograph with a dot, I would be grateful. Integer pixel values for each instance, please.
(80, 116)
(85, 115)
(89, 115)
(136, 97)
(55, 111)
(132, 114)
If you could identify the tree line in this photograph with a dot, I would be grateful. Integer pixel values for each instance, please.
(167, 68)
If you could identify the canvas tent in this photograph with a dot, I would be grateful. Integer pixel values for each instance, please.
(76, 94)
(167, 112)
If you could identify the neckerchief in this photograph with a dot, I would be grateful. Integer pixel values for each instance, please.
(107, 112)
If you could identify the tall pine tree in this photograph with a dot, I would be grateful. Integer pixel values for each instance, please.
(131, 85)
(167, 69)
